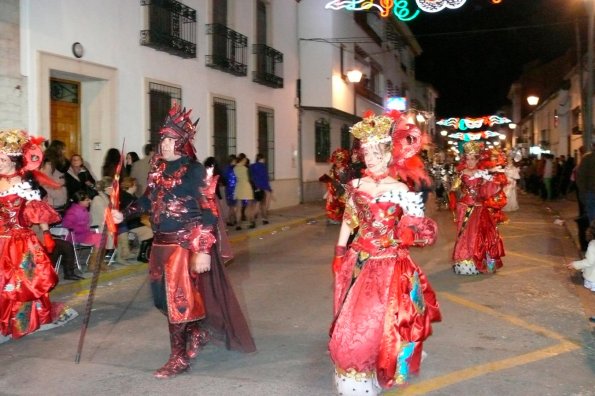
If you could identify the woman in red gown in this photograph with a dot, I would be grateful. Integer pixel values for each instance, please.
(383, 303)
(26, 272)
(478, 248)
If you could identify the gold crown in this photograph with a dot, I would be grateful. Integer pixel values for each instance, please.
(472, 147)
(12, 142)
(373, 129)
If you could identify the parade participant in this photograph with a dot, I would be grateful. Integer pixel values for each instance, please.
(512, 175)
(478, 247)
(383, 303)
(335, 190)
(26, 272)
(188, 280)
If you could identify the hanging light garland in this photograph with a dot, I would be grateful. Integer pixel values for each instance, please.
(473, 123)
(400, 8)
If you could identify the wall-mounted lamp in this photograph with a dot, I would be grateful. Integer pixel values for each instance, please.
(532, 100)
(354, 76)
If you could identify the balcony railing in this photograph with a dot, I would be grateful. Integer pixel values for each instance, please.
(172, 28)
(269, 64)
(362, 90)
(228, 50)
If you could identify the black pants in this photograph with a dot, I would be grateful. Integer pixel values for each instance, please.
(66, 250)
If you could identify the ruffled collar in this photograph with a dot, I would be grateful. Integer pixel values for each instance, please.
(23, 190)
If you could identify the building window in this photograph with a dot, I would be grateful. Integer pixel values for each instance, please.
(224, 129)
(228, 47)
(345, 137)
(172, 28)
(266, 138)
(322, 140)
(161, 99)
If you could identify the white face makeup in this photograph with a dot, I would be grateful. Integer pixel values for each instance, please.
(376, 158)
(7, 167)
(168, 149)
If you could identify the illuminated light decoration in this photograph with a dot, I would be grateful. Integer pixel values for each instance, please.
(473, 123)
(400, 8)
(496, 1)
(469, 136)
(438, 5)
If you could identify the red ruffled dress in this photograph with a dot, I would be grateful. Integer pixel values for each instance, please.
(478, 248)
(26, 272)
(383, 302)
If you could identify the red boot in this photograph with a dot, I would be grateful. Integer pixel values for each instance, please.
(178, 360)
(196, 339)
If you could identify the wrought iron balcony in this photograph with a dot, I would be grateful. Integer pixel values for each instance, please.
(228, 50)
(172, 28)
(362, 90)
(269, 64)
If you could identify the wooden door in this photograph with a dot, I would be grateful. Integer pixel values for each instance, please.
(65, 114)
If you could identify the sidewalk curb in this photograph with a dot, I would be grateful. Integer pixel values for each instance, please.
(81, 287)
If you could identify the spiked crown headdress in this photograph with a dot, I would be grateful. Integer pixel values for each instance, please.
(179, 126)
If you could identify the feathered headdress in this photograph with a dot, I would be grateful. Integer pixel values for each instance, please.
(180, 127)
(405, 137)
(15, 143)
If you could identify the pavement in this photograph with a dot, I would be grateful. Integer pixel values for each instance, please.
(279, 220)
(561, 211)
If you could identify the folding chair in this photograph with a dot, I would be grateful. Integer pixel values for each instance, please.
(79, 248)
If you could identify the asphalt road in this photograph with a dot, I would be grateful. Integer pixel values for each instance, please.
(522, 331)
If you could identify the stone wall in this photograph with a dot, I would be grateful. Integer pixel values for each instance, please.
(12, 84)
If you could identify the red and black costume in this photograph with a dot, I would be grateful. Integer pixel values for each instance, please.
(198, 306)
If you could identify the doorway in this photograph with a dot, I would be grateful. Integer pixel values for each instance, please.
(65, 118)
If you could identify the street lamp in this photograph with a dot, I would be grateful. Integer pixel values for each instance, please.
(532, 100)
(354, 76)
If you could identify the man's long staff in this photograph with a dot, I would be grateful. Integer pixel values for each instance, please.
(108, 228)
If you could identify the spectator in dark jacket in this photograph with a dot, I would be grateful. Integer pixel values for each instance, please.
(259, 173)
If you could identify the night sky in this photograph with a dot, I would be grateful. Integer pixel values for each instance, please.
(473, 54)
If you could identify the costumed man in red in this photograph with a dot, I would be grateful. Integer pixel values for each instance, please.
(478, 248)
(335, 194)
(187, 277)
(26, 273)
(383, 302)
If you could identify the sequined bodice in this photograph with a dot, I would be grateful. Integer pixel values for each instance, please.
(378, 216)
(11, 209)
(377, 220)
(470, 188)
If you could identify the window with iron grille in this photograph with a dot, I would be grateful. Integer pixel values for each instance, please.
(345, 137)
(322, 140)
(172, 28)
(161, 99)
(266, 138)
(224, 129)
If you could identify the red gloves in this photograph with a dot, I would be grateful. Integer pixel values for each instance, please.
(338, 259)
(48, 241)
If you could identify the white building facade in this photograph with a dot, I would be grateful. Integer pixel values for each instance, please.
(331, 43)
(97, 73)
(264, 76)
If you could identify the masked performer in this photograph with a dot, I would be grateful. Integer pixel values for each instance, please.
(26, 272)
(335, 194)
(383, 303)
(188, 280)
(478, 247)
